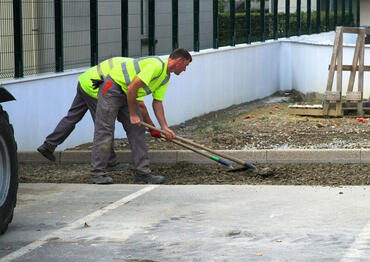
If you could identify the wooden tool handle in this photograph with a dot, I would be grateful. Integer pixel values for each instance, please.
(241, 162)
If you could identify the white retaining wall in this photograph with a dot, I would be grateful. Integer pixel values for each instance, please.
(214, 80)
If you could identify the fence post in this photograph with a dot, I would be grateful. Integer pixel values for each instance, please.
(124, 27)
(196, 25)
(151, 27)
(358, 13)
(175, 24)
(248, 21)
(232, 22)
(327, 14)
(94, 31)
(318, 16)
(309, 17)
(299, 17)
(58, 11)
(335, 6)
(275, 10)
(18, 42)
(215, 24)
(350, 11)
(343, 12)
(262, 20)
(287, 18)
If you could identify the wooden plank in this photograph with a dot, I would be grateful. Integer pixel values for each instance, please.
(355, 30)
(338, 108)
(354, 96)
(354, 65)
(349, 68)
(340, 63)
(333, 96)
(360, 109)
(313, 112)
(361, 62)
(338, 33)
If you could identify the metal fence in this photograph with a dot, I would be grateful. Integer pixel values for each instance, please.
(39, 36)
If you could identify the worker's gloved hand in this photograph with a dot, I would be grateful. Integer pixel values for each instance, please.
(155, 133)
(97, 83)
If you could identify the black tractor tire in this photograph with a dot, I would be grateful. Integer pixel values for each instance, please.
(8, 171)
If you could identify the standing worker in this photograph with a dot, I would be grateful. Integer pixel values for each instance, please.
(127, 82)
(85, 99)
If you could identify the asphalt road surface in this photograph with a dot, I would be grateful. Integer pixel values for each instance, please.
(79, 222)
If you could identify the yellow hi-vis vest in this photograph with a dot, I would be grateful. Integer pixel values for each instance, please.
(151, 70)
(99, 71)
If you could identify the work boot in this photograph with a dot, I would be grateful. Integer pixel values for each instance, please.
(101, 179)
(118, 167)
(149, 178)
(47, 151)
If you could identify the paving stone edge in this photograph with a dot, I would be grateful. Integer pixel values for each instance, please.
(255, 156)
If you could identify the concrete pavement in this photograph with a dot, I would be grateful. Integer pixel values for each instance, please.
(72, 222)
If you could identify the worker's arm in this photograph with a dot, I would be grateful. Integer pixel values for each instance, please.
(131, 99)
(147, 119)
(159, 113)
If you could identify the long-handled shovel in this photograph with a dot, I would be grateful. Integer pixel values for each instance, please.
(245, 165)
(215, 158)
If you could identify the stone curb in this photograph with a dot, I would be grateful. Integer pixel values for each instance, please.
(256, 156)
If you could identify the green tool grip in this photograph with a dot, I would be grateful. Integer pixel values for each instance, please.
(221, 161)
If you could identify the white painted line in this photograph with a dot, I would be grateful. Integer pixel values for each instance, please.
(78, 223)
(360, 247)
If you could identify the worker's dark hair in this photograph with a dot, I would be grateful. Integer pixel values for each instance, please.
(181, 52)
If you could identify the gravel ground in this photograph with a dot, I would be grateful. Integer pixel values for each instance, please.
(186, 173)
(262, 124)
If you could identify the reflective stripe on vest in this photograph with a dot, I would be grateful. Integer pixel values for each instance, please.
(125, 74)
(165, 80)
(137, 69)
(100, 72)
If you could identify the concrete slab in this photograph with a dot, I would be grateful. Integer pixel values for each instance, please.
(75, 156)
(163, 156)
(365, 155)
(188, 223)
(35, 157)
(260, 156)
(312, 156)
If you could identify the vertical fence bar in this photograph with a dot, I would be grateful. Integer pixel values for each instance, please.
(318, 16)
(151, 28)
(18, 42)
(175, 24)
(299, 6)
(358, 13)
(275, 10)
(215, 24)
(196, 25)
(262, 13)
(287, 18)
(232, 22)
(94, 31)
(248, 21)
(58, 9)
(335, 6)
(124, 27)
(343, 12)
(327, 14)
(350, 11)
(309, 17)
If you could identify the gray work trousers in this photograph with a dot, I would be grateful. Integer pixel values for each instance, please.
(112, 102)
(81, 103)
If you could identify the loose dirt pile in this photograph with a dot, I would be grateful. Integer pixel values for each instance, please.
(262, 124)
